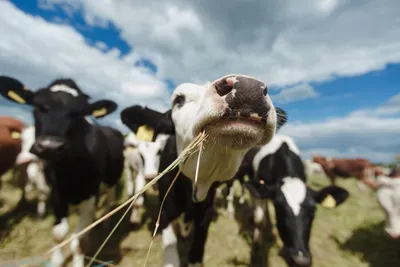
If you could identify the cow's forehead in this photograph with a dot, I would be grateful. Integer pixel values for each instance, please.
(294, 191)
(56, 95)
(188, 90)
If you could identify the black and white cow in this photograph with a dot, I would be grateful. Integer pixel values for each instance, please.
(276, 173)
(144, 158)
(79, 155)
(238, 114)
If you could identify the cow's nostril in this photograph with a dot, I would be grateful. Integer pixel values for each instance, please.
(224, 87)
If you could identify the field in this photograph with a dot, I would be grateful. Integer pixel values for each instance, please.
(349, 236)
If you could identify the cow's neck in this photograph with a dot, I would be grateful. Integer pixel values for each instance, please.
(217, 163)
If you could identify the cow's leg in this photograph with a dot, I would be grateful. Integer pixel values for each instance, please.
(242, 198)
(229, 199)
(170, 245)
(139, 185)
(202, 221)
(87, 210)
(60, 228)
(44, 191)
(128, 178)
(259, 214)
(111, 196)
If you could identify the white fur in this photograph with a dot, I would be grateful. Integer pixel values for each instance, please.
(218, 162)
(313, 168)
(64, 88)
(388, 195)
(272, 147)
(294, 191)
(60, 231)
(169, 241)
(258, 214)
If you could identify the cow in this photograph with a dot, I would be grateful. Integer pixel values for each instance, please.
(313, 168)
(10, 143)
(237, 113)
(30, 167)
(143, 157)
(276, 173)
(388, 195)
(363, 170)
(79, 155)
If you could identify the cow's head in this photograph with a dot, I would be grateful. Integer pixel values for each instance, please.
(295, 205)
(237, 113)
(388, 195)
(150, 152)
(57, 109)
(281, 178)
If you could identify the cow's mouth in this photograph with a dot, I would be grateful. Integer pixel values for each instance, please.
(235, 131)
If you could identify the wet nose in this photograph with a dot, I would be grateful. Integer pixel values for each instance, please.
(46, 145)
(301, 259)
(245, 96)
(224, 86)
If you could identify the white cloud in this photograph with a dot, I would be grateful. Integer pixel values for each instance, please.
(360, 134)
(392, 106)
(36, 52)
(295, 93)
(283, 43)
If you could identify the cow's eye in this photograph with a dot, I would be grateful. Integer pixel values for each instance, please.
(42, 108)
(179, 100)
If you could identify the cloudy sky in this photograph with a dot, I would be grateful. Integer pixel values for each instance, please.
(332, 64)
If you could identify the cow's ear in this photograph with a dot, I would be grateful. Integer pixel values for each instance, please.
(331, 196)
(100, 109)
(136, 116)
(15, 91)
(258, 190)
(281, 118)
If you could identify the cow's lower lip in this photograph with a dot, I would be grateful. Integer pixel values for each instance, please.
(232, 122)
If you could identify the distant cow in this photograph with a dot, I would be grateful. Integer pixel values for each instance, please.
(237, 114)
(79, 155)
(10, 143)
(31, 168)
(276, 172)
(388, 195)
(363, 170)
(143, 157)
(313, 168)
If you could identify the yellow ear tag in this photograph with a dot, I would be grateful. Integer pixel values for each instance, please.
(15, 135)
(99, 112)
(145, 133)
(16, 97)
(329, 202)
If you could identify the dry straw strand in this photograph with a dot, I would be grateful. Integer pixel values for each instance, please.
(190, 149)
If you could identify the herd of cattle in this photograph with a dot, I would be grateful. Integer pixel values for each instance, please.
(66, 155)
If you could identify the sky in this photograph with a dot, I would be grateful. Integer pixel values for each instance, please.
(333, 65)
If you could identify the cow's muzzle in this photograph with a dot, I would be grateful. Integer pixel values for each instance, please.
(47, 146)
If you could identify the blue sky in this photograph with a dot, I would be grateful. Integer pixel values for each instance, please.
(329, 80)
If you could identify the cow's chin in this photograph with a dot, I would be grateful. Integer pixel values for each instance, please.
(237, 134)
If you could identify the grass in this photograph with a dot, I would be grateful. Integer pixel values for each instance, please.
(349, 236)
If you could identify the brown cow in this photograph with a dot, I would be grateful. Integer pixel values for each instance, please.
(10, 142)
(361, 169)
